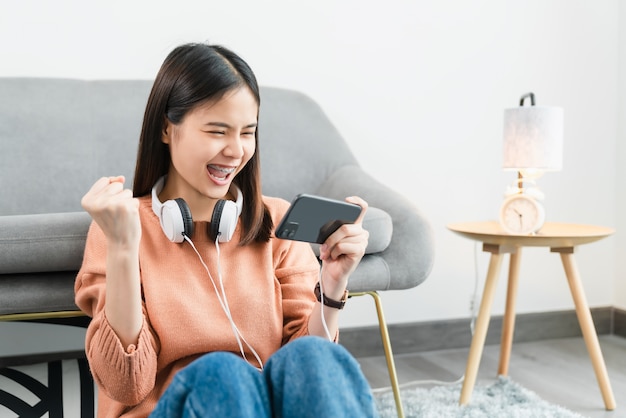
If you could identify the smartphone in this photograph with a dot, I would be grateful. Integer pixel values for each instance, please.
(314, 218)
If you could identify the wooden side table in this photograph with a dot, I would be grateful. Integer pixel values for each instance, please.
(560, 238)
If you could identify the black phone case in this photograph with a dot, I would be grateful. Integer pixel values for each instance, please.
(314, 218)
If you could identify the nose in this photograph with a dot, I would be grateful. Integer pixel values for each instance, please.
(234, 147)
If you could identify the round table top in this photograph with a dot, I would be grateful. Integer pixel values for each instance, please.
(552, 234)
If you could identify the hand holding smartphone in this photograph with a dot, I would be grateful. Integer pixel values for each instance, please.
(314, 218)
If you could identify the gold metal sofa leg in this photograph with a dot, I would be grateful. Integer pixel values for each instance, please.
(384, 333)
(40, 315)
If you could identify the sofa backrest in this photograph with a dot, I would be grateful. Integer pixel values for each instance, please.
(59, 135)
(300, 148)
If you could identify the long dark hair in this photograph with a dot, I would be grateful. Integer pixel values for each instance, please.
(193, 74)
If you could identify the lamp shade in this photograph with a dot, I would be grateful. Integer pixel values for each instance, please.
(533, 138)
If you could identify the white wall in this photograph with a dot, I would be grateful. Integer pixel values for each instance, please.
(620, 276)
(417, 87)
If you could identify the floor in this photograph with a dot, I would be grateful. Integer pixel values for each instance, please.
(558, 370)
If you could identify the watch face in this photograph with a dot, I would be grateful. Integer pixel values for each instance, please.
(521, 215)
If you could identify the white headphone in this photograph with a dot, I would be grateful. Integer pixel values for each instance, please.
(176, 220)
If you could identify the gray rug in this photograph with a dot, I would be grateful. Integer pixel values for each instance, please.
(503, 398)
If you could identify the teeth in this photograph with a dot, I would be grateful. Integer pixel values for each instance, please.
(223, 170)
(213, 170)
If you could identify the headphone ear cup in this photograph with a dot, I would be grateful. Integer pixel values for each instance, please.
(223, 220)
(171, 220)
(228, 220)
(214, 228)
(174, 215)
(185, 212)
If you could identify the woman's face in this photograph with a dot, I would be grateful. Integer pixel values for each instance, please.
(208, 148)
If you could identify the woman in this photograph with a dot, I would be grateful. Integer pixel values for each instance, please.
(198, 310)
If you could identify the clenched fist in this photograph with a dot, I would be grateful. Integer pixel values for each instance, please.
(115, 210)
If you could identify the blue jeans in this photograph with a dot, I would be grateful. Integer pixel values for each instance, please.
(309, 377)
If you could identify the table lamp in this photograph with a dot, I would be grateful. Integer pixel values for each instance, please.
(533, 144)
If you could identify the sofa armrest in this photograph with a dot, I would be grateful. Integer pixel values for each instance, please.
(42, 242)
(410, 254)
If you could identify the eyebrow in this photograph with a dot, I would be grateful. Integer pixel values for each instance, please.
(225, 125)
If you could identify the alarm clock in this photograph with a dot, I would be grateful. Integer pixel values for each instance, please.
(521, 214)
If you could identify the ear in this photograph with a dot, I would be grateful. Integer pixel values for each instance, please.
(167, 131)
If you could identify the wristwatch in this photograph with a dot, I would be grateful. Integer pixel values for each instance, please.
(337, 304)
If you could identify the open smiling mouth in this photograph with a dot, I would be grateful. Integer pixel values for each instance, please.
(220, 173)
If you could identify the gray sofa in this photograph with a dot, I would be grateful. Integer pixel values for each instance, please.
(58, 136)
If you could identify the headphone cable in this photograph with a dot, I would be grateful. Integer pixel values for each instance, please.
(224, 302)
(324, 324)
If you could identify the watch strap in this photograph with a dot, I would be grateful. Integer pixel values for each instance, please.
(337, 304)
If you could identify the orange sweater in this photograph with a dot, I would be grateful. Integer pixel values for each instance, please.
(269, 288)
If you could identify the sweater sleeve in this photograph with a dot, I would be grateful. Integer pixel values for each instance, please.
(125, 374)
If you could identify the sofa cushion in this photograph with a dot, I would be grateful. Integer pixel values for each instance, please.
(43, 242)
(25, 293)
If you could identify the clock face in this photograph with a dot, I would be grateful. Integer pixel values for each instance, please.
(521, 215)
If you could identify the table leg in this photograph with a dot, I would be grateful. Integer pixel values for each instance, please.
(586, 326)
(508, 323)
(480, 331)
